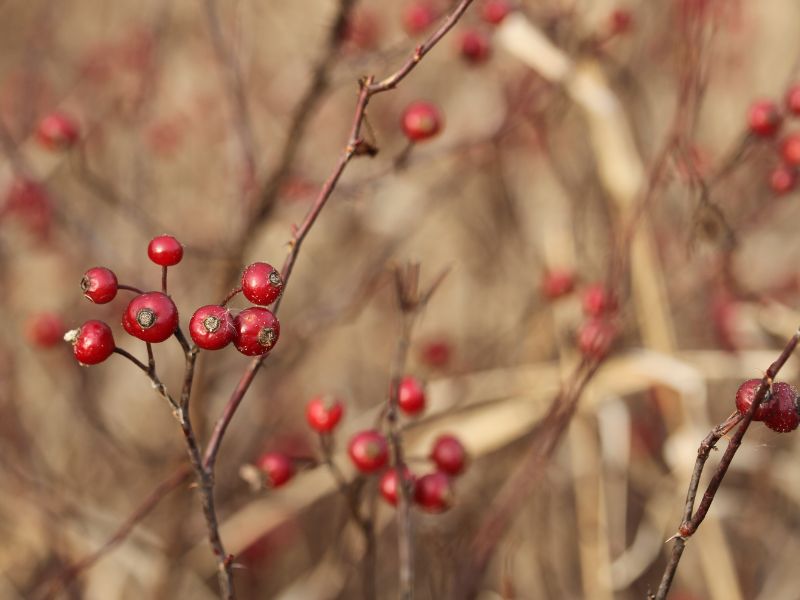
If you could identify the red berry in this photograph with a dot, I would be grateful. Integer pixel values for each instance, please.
(261, 283)
(324, 412)
(92, 343)
(256, 331)
(494, 11)
(421, 121)
(764, 118)
(278, 468)
(418, 16)
(597, 300)
(557, 283)
(99, 285)
(165, 250)
(436, 353)
(793, 99)
(433, 492)
(368, 450)
(45, 329)
(30, 201)
(747, 393)
(411, 396)
(595, 338)
(790, 149)
(152, 317)
(57, 131)
(620, 21)
(449, 455)
(212, 327)
(362, 30)
(785, 417)
(474, 46)
(783, 179)
(388, 485)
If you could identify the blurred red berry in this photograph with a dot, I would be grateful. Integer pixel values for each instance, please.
(557, 283)
(256, 331)
(211, 327)
(793, 99)
(361, 30)
(151, 317)
(261, 283)
(598, 300)
(421, 121)
(368, 450)
(278, 468)
(411, 396)
(764, 118)
(433, 492)
(388, 485)
(57, 131)
(783, 179)
(324, 412)
(45, 329)
(494, 11)
(449, 455)
(784, 418)
(747, 393)
(474, 45)
(620, 21)
(92, 343)
(790, 149)
(31, 203)
(165, 250)
(595, 338)
(418, 16)
(99, 285)
(435, 353)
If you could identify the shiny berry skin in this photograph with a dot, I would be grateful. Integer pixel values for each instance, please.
(57, 131)
(784, 418)
(212, 327)
(256, 331)
(368, 450)
(557, 283)
(165, 250)
(418, 16)
(277, 467)
(388, 485)
(449, 455)
(261, 283)
(99, 285)
(764, 118)
(783, 179)
(92, 343)
(421, 121)
(411, 395)
(595, 338)
(45, 329)
(324, 412)
(597, 300)
(494, 11)
(474, 46)
(790, 149)
(792, 99)
(747, 393)
(433, 492)
(151, 317)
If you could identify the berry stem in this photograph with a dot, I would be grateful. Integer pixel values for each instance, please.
(230, 296)
(164, 279)
(129, 288)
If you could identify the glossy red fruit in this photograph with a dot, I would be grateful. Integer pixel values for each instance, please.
(151, 317)
(494, 11)
(474, 46)
(411, 395)
(418, 16)
(598, 300)
(211, 327)
(261, 283)
(45, 329)
(256, 331)
(92, 343)
(278, 468)
(620, 21)
(747, 393)
(165, 250)
(784, 417)
(764, 118)
(793, 99)
(324, 412)
(99, 285)
(368, 450)
(421, 121)
(449, 455)
(57, 131)
(783, 179)
(557, 283)
(388, 485)
(790, 149)
(433, 492)
(596, 337)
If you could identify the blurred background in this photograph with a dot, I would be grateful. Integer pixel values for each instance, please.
(583, 144)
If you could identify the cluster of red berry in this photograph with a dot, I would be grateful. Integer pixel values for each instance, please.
(369, 452)
(153, 317)
(765, 119)
(778, 410)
